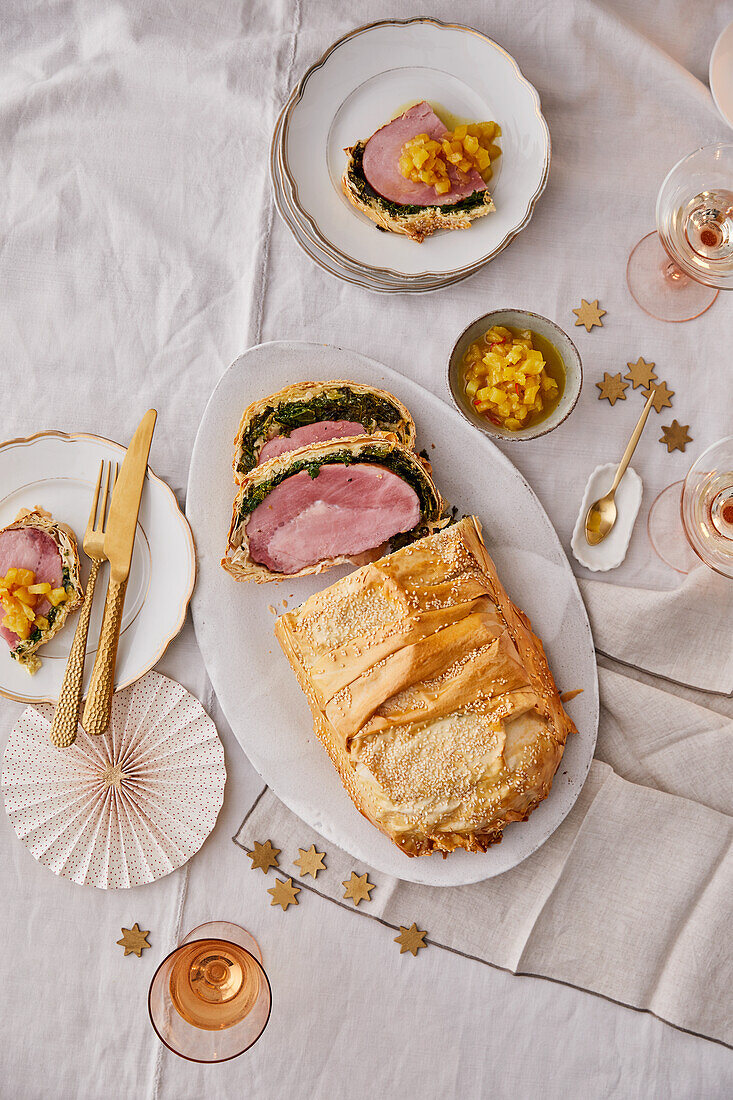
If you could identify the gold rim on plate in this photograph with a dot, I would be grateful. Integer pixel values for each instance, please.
(350, 274)
(298, 93)
(186, 528)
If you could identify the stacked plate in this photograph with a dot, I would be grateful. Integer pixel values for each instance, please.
(360, 83)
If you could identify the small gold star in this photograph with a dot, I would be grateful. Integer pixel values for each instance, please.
(613, 388)
(283, 893)
(133, 940)
(411, 939)
(662, 395)
(640, 373)
(310, 862)
(675, 436)
(264, 856)
(589, 314)
(357, 888)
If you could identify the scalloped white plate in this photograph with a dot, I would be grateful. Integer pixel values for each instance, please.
(58, 471)
(251, 676)
(358, 85)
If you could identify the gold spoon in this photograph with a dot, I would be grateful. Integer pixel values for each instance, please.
(601, 515)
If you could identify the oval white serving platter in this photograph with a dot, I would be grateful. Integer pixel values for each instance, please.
(252, 678)
(358, 85)
(58, 472)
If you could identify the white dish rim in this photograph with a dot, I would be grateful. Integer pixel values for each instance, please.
(187, 534)
(299, 91)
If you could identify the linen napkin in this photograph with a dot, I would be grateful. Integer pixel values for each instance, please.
(631, 898)
(654, 630)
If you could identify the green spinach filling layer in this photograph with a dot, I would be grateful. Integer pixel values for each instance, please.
(374, 453)
(368, 195)
(373, 412)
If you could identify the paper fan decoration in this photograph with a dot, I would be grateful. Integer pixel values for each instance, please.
(124, 808)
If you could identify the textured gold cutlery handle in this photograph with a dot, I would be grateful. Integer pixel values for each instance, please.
(66, 716)
(98, 706)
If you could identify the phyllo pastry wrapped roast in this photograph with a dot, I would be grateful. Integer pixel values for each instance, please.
(39, 583)
(313, 412)
(430, 693)
(326, 503)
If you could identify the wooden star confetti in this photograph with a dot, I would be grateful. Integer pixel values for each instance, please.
(612, 388)
(411, 939)
(283, 893)
(675, 436)
(640, 373)
(264, 856)
(662, 395)
(133, 940)
(310, 862)
(357, 888)
(589, 314)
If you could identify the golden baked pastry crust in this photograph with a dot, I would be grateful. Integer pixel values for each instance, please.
(430, 693)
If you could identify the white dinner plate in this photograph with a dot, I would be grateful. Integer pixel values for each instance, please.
(358, 85)
(327, 260)
(330, 261)
(251, 676)
(721, 73)
(58, 472)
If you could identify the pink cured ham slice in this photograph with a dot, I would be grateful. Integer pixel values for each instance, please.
(28, 548)
(309, 433)
(345, 510)
(381, 162)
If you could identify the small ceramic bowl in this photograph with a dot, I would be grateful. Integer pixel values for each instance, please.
(520, 319)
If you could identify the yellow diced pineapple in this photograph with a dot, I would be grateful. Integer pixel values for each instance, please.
(57, 596)
(510, 379)
(25, 596)
(41, 589)
(42, 622)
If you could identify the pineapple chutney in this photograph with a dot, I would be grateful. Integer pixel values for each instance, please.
(513, 377)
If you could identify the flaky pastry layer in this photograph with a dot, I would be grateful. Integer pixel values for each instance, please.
(430, 693)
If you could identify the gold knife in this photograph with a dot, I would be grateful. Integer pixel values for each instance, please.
(119, 540)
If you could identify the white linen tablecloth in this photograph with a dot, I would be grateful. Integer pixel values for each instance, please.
(139, 254)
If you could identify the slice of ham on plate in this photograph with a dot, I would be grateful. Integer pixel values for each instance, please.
(381, 162)
(343, 511)
(28, 548)
(309, 433)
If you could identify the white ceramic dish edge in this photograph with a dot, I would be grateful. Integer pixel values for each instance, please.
(252, 678)
(611, 552)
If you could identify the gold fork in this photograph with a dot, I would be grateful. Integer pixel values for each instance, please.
(66, 718)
